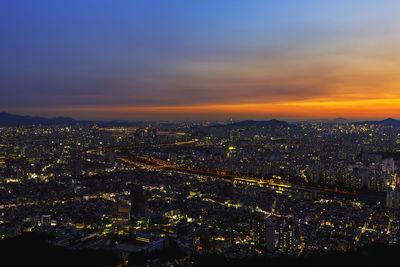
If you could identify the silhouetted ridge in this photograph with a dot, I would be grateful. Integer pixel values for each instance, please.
(385, 122)
(270, 123)
(250, 123)
(390, 121)
(7, 119)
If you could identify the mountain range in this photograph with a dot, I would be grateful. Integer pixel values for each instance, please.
(7, 119)
(385, 122)
(271, 123)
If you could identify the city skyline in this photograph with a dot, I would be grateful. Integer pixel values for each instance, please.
(137, 60)
(199, 133)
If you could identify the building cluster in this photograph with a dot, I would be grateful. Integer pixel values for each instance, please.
(304, 189)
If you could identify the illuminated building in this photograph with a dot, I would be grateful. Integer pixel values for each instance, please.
(388, 165)
(393, 198)
(121, 213)
(392, 183)
(264, 234)
(287, 242)
(393, 192)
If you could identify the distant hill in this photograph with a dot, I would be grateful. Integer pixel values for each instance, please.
(250, 123)
(7, 119)
(385, 122)
(117, 123)
(390, 122)
(338, 120)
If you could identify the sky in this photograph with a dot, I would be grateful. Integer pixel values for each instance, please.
(208, 59)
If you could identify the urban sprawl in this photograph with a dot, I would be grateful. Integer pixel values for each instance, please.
(229, 188)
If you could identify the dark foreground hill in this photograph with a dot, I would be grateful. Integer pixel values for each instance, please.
(32, 249)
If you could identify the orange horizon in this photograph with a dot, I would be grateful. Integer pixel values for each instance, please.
(310, 109)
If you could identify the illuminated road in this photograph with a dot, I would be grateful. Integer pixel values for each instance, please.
(158, 163)
(267, 182)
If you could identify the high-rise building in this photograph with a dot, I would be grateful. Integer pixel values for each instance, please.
(287, 236)
(270, 234)
(393, 198)
(264, 234)
(388, 165)
(139, 203)
(76, 163)
(393, 191)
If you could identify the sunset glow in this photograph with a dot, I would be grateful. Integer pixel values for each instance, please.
(181, 60)
(353, 109)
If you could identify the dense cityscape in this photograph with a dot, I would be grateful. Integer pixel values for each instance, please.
(237, 189)
(199, 133)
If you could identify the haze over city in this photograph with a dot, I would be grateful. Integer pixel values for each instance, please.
(205, 59)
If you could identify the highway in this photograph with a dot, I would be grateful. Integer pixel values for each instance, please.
(158, 163)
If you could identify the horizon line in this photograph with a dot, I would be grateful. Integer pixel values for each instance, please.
(268, 118)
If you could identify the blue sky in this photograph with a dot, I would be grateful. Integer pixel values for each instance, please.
(57, 55)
